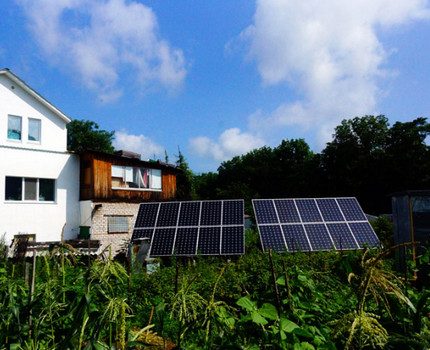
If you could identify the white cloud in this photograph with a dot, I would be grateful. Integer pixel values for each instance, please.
(231, 142)
(137, 143)
(97, 39)
(328, 51)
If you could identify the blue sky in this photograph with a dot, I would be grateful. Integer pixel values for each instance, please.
(219, 78)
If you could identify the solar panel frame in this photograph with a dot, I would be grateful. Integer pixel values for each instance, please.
(229, 215)
(326, 208)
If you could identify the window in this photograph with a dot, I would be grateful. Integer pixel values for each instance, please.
(14, 127)
(135, 178)
(29, 189)
(117, 224)
(34, 127)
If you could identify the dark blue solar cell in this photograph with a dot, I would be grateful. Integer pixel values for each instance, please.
(141, 234)
(186, 241)
(232, 240)
(342, 236)
(351, 209)
(287, 211)
(168, 214)
(308, 210)
(211, 213)
(146, 215)
(265, 211)
(329, 209)
(189, 214)
(162, 242)
(295, 238)
(364, 234)
(271, 238)
(232, 212)
(319, 237)
(209, 241)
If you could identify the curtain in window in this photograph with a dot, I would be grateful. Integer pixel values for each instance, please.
(14, 128)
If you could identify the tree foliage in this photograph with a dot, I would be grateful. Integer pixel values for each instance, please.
(367, 158)
(184, 179)
(85, 135)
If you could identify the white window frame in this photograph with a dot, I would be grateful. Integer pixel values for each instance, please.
(127, 175)
(7, 128)
(23, 200)
(40, 131)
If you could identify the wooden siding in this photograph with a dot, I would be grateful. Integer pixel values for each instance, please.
(96, 180)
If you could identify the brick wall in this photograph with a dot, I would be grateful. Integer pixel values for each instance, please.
(99, 229)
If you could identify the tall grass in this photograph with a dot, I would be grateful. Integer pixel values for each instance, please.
(212, 303)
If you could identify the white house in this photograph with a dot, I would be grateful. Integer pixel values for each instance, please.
(39, 179)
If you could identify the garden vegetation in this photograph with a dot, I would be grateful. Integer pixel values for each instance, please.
(324, 300)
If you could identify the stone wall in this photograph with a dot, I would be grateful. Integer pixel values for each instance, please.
(99, 229)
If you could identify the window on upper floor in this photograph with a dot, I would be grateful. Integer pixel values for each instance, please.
(34, 129)
(14, 127)
(29, 189)
(135, 178)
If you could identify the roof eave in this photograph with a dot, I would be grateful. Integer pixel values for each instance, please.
(35, 94)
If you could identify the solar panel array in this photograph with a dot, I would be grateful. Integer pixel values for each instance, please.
(313, 224)
(192, 227)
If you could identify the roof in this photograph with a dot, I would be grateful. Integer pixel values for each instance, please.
(23, 85)
(155, 164)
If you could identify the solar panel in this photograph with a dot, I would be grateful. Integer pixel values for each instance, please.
(232, 213)
(209, 241)
(342, 236)
(296, 238)
(211, 213)
(287, 210)
(351, 209)
(186, 240)
(364, 234)
(319, 237)
(147, 215)
(168, 214)
(308, 210)
(271, 238)
(162, 242)
(313, 224)
(265, 212)
(329, 209)
(232, 240)
(141, 233)
(189, 215)
(192, 227)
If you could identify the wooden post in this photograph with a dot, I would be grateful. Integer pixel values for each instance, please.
(288, 287)
(176, 276)
(275, 286)
(33, 280)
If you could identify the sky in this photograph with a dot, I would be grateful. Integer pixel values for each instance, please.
(218, 78)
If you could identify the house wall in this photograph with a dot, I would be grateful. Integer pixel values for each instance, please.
(46, 220)
(45, 159)
(99, 228)
(96, 182)
(18, 102)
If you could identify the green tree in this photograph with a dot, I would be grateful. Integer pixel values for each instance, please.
(369, 159)
(408, 155)
(86, 135)
(354, 163)
(184, 179)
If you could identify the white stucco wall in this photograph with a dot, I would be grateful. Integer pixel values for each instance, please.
(46, 220)
(47, 159)
(15, 101)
